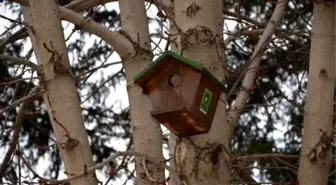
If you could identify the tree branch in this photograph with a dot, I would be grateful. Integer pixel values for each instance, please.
(115, 39)
(16, 133)
(99, 166)
(255, 32)
(20, 34)
(271, 155)
(250, 68)
(79, 6)
(20, 61)
(17, 102)
(241, 17)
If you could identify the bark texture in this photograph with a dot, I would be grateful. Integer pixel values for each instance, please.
(249, 72)
(172, 137)
(61, 97)
(316, 154)
(204, 159)
(147, 135)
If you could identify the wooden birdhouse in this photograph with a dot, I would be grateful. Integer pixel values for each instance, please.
(184, 94)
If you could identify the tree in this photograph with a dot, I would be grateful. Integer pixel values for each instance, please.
(201, 40)
(59, 85)
(134, 23)
(252, 68)
(319, 120)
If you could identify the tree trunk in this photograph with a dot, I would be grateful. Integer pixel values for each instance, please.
(61, 97)
(204, 159)
(147, 134)
(174, 47)
(316, 154)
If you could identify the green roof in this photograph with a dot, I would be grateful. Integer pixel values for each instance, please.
(197, 66)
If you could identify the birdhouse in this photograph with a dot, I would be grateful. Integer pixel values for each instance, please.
(183, 93)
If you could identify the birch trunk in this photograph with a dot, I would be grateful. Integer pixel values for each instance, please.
(61, 98)
(204, 159)
(316, 154)
(174, 37)
(147, 134)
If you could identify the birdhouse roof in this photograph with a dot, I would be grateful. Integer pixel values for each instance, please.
(148, 72)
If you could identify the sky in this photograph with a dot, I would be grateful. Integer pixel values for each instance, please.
(119, 94)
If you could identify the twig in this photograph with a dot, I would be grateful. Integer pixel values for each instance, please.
(99, 67)
(17, 102)
(101, 85)
(16, 133)
(253, 183)
(247, 19)
(272, 155)
(102, 164)
(250, 76)
(128, 177)
(146, 171)
(17, 80)
(12, 20)
(114, 38)
(51, 181)
(19, 162)
(20, 61)
(20, 34)
(233, 35)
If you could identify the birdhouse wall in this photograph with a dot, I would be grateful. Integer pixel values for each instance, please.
(183, 93)
(163, 96)
(178, 122)
(156, 76)
(190, 81)
(203, 112)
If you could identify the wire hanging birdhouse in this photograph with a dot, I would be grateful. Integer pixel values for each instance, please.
(183, 93)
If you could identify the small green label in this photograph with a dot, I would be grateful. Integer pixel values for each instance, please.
(205, 101)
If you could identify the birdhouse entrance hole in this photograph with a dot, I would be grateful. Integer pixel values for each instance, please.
(183, 93)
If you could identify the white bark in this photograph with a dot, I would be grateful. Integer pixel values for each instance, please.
(316, 154)
(114, 38)
(174, 47)
(81, 5)
(147, 136)
(250, 71)
(202, 159)
(61, 97)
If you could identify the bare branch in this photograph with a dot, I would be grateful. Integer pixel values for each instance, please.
(51, 181)
(147, 173)
(11, 20)
(254, 32)
(20, 61)
(247, 19)
(20, 34)
(115, 39)
(16, 133)
(17, 102)
(18, 79)
(81, 6)
(250, 75)
(121, 44)
(101, 165)
(272, 155)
